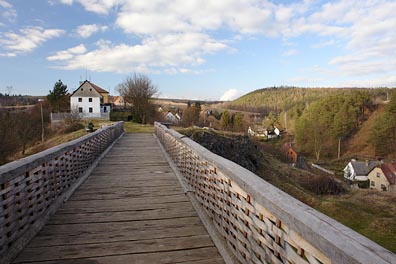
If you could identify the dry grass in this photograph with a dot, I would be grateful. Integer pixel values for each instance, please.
(131, 127)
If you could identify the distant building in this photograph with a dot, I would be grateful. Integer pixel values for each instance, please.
(290, 152)
(260, 131)
(90, 101)
(383, 177)
(171, 118)
(118, 101)
(357, 171)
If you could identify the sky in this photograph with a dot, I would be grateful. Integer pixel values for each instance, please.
(197, 49)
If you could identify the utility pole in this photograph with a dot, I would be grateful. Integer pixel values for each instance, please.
(339, 148)
(42, 119)
(285, 121)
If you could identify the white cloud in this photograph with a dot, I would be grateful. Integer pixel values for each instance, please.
(153, 54)
(383, 81)
(5, 4)
(290, 52)
(363, 30)
(28, 38)
(8, 54)
(66, 2)
(85, 31)
(9, 13)
(68, 54)
(230, 95)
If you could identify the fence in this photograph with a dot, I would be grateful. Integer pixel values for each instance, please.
(56, 117)
(34, 187)
(260, 223)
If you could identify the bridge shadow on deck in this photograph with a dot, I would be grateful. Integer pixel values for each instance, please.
(131, 209)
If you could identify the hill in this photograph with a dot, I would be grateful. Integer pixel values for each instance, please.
(284, 98)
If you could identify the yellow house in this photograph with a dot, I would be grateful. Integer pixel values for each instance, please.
(383, 177)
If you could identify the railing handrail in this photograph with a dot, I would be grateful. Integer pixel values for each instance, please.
(33, 188)
(14, 168)
(337, 242)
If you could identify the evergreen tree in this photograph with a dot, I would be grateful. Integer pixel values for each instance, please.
(58, 98)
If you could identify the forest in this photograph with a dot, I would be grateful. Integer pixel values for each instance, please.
(322, 121)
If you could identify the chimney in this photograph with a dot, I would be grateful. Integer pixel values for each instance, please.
(367, 163)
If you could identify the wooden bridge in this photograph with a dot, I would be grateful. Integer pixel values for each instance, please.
(142, 201)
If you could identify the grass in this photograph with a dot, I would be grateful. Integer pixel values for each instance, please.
(131, 127)
(368, 212)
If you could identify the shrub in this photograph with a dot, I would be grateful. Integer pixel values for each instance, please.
(73, 127)
(324, 185)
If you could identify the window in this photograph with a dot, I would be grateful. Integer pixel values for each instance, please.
(378, 174)
(80, 110)
(80, 99)
(90, 100)
(105, 109)
(90, 110)
(372, 183)
(383, 187)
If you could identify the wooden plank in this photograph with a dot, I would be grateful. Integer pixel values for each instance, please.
(131, 209)
(114, 231)
(116, 248)
(179, 256)
(84, 207)
(133, 215)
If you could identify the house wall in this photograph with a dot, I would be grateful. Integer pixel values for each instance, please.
(105, 98)
(378, 180)
(349, 172)
(292, 155)
(85, 104)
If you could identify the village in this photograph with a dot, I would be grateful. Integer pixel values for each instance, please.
(90, 101)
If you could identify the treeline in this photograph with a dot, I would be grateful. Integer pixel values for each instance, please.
(330, 120)
(383, 135)
(17, 100)
(284, 98)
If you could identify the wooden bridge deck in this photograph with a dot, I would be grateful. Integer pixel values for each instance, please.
(131, 209)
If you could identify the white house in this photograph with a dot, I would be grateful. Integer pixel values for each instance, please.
(90, 101)
(171, 118)
(357, 171)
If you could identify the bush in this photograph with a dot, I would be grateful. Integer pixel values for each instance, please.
(324, 185)
(120, 116)
(73, 127)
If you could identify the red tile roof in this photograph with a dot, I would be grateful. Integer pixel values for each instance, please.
(97, 88)
(389, 170)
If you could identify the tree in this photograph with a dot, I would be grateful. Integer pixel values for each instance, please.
(238, 122)
(138, 90)
(270, 120)
(226, 120)
(28, 127)
(58, 98)
(191, 114)
(8, 140)
(382, 136)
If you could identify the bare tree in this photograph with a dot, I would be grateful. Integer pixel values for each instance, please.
(138, 90)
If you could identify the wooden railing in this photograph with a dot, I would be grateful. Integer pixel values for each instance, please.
(260, 223)
(34, 187)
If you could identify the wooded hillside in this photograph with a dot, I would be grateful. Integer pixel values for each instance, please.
(322, 120)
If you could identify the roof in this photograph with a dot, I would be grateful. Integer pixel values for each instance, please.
(97, 88)
(389, 170)
(361, 168)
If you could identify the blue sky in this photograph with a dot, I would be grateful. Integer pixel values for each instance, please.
(197, 49)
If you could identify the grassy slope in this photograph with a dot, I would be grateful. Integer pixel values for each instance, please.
(359, 144)
(368, 212)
